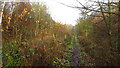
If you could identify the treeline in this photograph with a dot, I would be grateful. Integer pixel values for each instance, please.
(98, 37)
(30, 37)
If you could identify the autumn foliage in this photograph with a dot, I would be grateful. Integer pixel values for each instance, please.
(33, 36)
(30, 37)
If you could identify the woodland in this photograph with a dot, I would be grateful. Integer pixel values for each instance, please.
(30, 37)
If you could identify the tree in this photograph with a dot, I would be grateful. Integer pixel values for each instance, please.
(103, 26)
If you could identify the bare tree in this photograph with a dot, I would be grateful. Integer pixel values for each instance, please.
(105, 9)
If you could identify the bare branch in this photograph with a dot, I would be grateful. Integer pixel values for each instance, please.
(95, 10)
(88, 9)
(69, 5)
(104, 19)
(95, 16)
(81, 4)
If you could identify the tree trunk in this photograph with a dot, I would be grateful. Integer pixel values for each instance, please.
(118, 34)
(119, 28)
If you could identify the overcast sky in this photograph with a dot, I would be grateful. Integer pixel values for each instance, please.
(62, 13)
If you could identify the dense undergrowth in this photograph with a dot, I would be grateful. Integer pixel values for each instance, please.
(32, 38)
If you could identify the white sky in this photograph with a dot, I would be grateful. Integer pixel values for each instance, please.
(62, 13)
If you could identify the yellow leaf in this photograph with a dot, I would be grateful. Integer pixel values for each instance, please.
(31, 10)
(28, 12)
(25, 11)
(25, 8)
(9, 18)
(6, 27)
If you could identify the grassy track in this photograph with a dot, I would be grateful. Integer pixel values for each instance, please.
(76, 51)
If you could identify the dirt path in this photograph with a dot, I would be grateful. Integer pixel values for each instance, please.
(76, 51)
